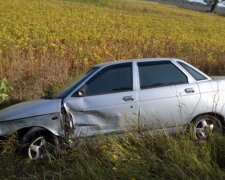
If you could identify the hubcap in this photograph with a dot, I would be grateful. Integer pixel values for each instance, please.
(205, 127)
(37, 148)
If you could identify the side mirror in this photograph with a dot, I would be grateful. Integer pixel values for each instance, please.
(81, 92)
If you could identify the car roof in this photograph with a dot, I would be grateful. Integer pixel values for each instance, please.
(134, 60)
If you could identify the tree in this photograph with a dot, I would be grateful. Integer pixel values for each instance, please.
(212, 3)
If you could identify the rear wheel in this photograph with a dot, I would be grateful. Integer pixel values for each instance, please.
(206, 125)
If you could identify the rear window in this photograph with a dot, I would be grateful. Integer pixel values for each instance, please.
(156, 74)
(195, 74)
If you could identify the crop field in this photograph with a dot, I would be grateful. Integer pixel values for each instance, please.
(46, 44)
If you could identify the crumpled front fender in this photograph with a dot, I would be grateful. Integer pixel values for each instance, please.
(51, 122)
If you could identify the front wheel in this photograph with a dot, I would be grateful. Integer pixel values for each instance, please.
(40, 147)
(206, 125)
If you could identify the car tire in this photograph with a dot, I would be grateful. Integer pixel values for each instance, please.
(204, 126)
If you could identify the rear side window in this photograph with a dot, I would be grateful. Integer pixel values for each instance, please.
(195, 74)
(156, 74)
(113, 79)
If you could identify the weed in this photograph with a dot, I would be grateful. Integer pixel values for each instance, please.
(5, 89)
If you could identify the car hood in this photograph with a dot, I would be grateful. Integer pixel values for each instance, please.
(30, 109)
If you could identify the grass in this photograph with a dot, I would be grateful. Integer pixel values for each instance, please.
(46, 43)
(130, 157)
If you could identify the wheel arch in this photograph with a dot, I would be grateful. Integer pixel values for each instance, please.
(215, 114)
(26, 134)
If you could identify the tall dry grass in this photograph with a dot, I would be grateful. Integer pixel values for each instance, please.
(33, 72)
(129, 157)
(47, 44)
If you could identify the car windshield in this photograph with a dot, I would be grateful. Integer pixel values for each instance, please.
(77, 83)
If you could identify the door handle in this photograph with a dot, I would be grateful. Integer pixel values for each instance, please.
(128, 98)
(189, 90)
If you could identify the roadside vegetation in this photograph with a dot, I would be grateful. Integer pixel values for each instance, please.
(130, 157)
(46, 44)
(5, 90)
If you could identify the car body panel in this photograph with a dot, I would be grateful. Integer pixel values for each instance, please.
(156, 105)
(164, 107)
(103, 113)
(168, 106)
(51, 122)
(106, 113)
(30, 109)
(40, 113)
(188, 101)
(212, 98)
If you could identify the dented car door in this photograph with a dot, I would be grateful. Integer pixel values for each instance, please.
(106, 103)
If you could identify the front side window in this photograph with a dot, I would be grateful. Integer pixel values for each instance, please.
(67, 91)
(116, 78)
(162, 73)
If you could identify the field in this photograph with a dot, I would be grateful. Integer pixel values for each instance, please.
(46, 44)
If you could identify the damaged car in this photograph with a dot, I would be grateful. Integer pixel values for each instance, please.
(111, 98)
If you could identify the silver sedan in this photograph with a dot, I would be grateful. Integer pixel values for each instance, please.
(136, 95)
